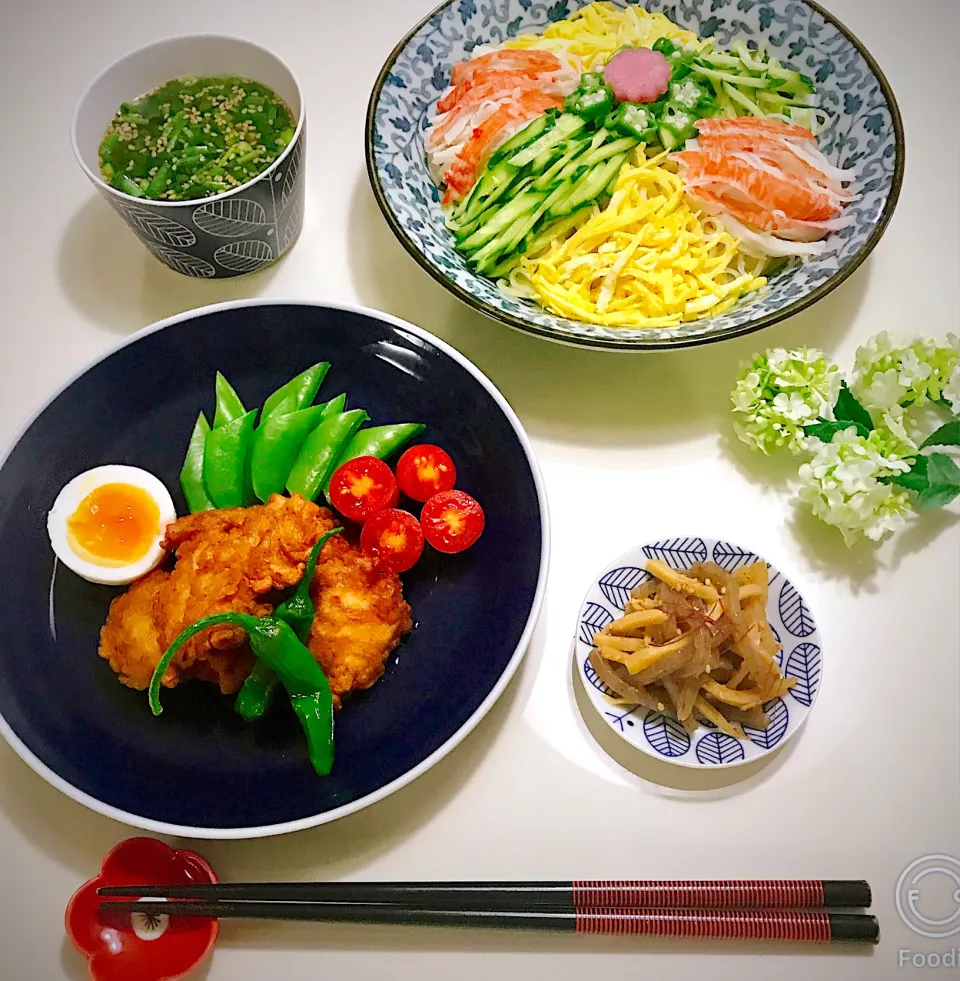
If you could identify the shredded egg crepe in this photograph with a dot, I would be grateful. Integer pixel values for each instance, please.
(596, 31)
(649, 259)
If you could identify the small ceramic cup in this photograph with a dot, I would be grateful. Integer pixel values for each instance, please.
(229, 234)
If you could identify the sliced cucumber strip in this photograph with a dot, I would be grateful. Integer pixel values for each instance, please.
(494, 182)
(501, 219)
(589, 187)
(558, 229)
(565, 126)
(607, 151)
(524, 138)
(551, 176)
(488, 208)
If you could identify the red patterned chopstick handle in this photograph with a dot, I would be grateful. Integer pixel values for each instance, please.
(709, 924)
(698, 894)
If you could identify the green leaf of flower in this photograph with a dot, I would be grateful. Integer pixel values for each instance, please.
(936, 496)
(942, 470)
(848, 409)
(915, 479)
(947, 435)
(825, 430)
(935, 478)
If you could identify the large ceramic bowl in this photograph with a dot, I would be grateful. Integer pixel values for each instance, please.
(865, 134)
(200, 770)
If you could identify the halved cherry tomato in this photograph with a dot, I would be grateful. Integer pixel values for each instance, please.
(452, 521)
(394, 538)
(361, 487)
(425, 470)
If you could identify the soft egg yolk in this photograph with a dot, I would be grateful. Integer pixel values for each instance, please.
(114, 525)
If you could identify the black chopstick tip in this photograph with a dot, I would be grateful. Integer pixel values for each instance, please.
(847, 894)
(854, 928)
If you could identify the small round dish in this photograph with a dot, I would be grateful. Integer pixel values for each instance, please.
(229, 234)
(662, 736)
(865, 134)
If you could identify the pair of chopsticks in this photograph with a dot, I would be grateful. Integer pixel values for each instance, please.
(761, 909)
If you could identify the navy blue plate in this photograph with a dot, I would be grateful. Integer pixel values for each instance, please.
(200, 770)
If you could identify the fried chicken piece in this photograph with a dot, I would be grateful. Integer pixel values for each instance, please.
(361, 617)
(235, 559)
(227, 560)
(128, 640)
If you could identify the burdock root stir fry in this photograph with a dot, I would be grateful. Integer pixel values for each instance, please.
(696, 645)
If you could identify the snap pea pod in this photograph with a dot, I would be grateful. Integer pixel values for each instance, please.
(229, 406)
(191, 473)
(275, 445)
(378, 441)
(298, 610)
(320, 450)
(302, 390)
(335, 406)
(225, 462)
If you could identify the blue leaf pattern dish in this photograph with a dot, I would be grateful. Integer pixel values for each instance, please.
(804, 665)
(679, 552)
(593, 618)
(662, 736)
(794, 613)
(718, 747)
(864, 134)
(666, 735)
(617, 584)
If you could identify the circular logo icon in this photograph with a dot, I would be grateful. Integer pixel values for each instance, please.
(928, 896)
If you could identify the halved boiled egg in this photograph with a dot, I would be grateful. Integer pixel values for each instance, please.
(107, 523)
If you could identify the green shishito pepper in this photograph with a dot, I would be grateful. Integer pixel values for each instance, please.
(298, 393)
(298, 610)
(191, 473)
(225, 462)
(275, 445)
(634, 120)
(274, 642)
(590, 101)
(378, 441)
(320, 450)
(229, 406)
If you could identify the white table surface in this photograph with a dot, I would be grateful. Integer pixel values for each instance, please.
(868, 786)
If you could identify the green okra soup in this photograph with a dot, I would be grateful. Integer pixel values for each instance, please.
(195, 137)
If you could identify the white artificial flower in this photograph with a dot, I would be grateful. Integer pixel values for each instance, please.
(884, 390)
(951, 391)
(793, 407)
(842, 487)
(915, 373)
(779, 393)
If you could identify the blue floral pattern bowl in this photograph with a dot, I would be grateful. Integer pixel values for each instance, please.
(662, 736)
(865, 134)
